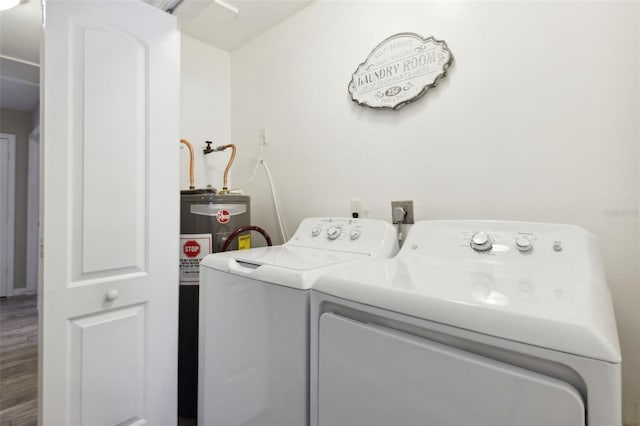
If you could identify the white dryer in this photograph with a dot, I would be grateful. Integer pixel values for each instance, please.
(254, 320)
(472, 323)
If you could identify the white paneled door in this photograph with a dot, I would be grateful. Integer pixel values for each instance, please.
(109, 158)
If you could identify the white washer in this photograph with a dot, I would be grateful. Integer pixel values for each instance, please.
(254, 320)
(472, 323)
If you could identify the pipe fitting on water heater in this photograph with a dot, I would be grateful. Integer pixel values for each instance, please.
(208, 150)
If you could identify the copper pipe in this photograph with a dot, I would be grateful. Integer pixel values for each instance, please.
(225, 183)
(191, 179)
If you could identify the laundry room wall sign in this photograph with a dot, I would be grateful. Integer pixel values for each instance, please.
(400, 70)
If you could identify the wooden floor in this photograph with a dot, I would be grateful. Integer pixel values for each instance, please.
(18, 361)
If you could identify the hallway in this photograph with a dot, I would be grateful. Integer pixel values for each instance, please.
(18, 361)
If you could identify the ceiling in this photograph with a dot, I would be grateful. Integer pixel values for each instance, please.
(20, 56)
(216, 21)
(226, 24)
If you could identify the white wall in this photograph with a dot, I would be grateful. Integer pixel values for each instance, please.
(537, 121)
(205, 96)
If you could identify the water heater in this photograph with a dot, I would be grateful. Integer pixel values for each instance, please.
(209, 218)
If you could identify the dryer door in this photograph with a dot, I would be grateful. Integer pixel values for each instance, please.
(372, 375)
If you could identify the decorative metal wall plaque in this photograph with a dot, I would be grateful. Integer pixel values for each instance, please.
(399, 71)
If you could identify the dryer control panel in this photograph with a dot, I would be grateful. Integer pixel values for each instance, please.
(522, 241)
(495, 238)
(365, 236)
(483, 241)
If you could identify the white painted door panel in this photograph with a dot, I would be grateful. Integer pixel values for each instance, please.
(110, 214)
(99, 368)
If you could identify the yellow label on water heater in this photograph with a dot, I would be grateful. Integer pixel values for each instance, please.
(244, 242)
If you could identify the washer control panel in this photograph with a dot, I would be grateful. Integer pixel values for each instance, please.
(337, 229)
(345, 234)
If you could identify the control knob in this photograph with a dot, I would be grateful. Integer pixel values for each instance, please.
(354, 235)
(480, 241)
(333, 232)
(315, 232)
(523, 244)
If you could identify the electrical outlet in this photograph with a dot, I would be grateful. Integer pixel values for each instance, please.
(356, 207)
(262, 135)
(408, 208)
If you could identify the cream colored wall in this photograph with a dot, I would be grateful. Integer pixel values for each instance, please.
(205, 96)
(19, 124)
(537, 121)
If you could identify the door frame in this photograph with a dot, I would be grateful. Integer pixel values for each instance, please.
(10, 241)
(33, 208)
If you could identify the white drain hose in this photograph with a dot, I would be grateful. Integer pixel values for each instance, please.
(260, 160)
(275, 199)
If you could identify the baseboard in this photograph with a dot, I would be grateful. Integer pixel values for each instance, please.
(23, 292)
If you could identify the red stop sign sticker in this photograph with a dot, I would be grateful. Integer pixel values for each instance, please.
(191, 248)
(223, 216)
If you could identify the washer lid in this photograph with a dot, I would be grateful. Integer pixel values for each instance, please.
(297, 267)
(294, 258)
(552, 299)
